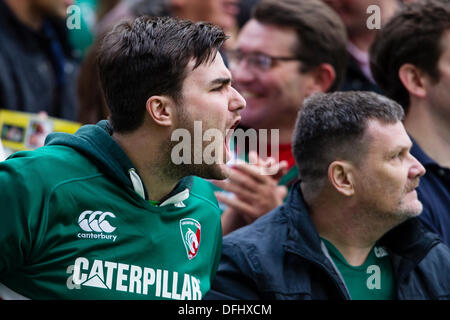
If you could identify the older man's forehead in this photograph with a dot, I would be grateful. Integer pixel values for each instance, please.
(386, 136)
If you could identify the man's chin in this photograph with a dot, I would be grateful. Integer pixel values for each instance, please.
(211, 172)
(418, 208)
(413, 209)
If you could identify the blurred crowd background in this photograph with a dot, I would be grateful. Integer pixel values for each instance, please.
(48, 49)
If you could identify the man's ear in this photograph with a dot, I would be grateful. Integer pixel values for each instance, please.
(161, 109)
(413, 79)
(323, 77)
(340, 175)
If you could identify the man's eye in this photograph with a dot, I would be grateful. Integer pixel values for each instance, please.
(398, 155)
(263, 61)
(219, 88)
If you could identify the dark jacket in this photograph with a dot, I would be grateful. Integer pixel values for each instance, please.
(355, 80)
(434, 193)
(281, 256)
(37, 69)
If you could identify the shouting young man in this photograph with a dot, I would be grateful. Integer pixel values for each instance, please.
(106, 213)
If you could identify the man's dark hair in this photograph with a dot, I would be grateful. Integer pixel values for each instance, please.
(332, 127)
(413, 36)
(320, 32)
(148, 56)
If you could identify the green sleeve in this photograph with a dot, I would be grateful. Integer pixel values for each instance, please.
(16, 216)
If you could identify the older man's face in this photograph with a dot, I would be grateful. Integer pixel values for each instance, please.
(388, 174)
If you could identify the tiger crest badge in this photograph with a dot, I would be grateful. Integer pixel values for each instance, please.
(190, 233)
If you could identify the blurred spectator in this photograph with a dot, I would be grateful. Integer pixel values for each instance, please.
(410, 60)
(104, 7)
(111, 12)
(348, 229)
(354, 15)
(288, 50)
(245, 11)
(92, 102)
(38, 70)
(82, 38)
(220, 12)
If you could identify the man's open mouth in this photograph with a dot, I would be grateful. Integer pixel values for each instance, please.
(228, 135)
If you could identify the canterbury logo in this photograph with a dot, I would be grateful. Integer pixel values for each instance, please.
(95, 221)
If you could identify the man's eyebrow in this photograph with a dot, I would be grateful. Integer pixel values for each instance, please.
(403, 147)
(221, 81)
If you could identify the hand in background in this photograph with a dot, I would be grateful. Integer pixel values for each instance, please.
(255, 191)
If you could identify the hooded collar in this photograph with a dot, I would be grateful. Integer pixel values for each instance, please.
(97, 144)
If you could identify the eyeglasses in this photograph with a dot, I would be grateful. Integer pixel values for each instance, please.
(256, 60)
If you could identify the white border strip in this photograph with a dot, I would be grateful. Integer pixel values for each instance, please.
(7, 294)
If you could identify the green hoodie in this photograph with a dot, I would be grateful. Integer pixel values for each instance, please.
(75, 224)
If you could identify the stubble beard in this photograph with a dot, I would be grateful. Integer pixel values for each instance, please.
(381, 221)
(414, 207)
(178, 171)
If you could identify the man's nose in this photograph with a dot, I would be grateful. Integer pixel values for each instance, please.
(417, 169)
(237, 101)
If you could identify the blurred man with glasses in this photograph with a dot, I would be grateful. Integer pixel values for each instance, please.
(288, 50)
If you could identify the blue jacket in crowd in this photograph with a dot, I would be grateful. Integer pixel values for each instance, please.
(38, 71)
(281, 256)
(434, 193)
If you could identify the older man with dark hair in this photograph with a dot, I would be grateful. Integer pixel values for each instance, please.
(411, 62)
(348, 228)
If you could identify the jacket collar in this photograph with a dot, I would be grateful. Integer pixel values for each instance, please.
(304, 240)
(302, 236)
(409, 239)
